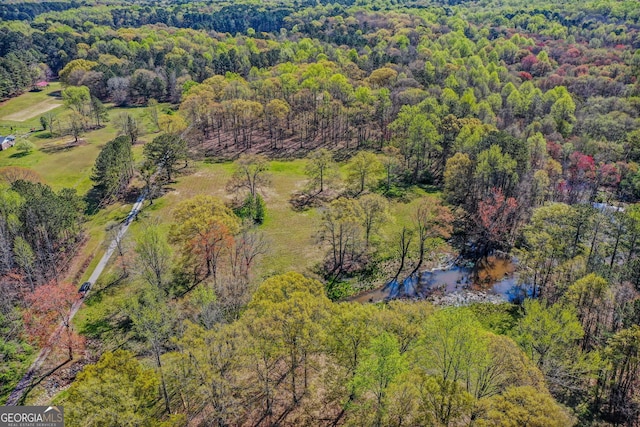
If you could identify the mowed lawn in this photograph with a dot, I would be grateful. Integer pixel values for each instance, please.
(61, 163)
(34, 110)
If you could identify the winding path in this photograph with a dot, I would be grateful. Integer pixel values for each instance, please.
(25, 382)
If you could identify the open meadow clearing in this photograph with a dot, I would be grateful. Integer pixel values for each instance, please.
(59, 160)
(290, 234)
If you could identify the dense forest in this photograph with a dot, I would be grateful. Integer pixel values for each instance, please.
(515, 124)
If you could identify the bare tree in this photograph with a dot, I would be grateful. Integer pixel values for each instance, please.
(118, 88)
(148, 174)
(402, 249)
(321, 169)
(76, 125)
(432, 221)
(248, 246)
(122, 245)
(153, 113)
(250, 174)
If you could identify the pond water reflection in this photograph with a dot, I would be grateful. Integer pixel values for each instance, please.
(491, 275)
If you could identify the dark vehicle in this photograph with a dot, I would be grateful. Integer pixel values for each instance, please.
(84, 288)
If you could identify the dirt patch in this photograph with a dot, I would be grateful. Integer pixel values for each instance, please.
(33, 111)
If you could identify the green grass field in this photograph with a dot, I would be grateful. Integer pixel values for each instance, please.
(291, 234)
(58, 161)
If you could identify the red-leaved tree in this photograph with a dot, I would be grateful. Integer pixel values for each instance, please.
(497, 218)
(47, 318)
(581, 176)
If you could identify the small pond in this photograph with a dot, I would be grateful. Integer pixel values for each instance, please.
(492, 275)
